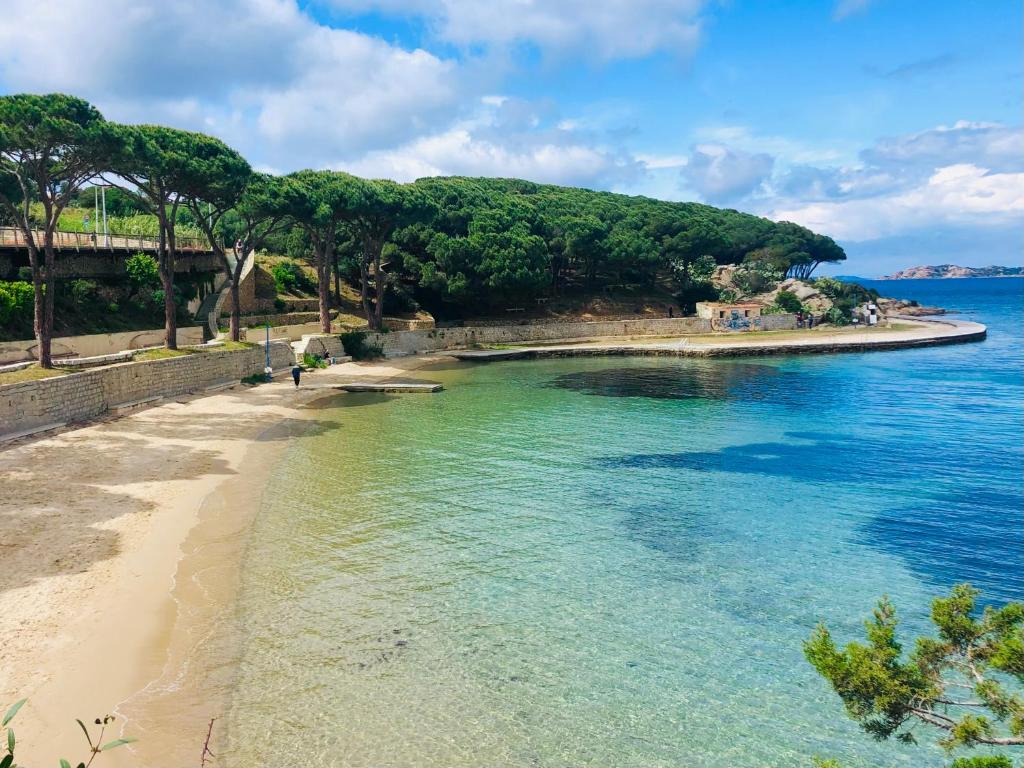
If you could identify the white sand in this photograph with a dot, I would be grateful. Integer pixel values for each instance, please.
(95, 526)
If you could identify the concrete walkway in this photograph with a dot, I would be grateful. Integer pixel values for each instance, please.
(920, 333)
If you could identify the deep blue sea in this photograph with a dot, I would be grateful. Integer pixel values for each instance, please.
(614, 562)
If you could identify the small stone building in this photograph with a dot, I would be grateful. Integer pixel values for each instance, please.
(730, 317)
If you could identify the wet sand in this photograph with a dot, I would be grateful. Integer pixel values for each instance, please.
(121, 542)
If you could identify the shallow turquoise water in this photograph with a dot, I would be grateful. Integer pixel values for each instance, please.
(613, 562)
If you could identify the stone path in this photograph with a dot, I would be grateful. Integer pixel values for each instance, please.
(923, 333)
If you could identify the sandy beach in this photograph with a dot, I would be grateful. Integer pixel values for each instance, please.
(120, 542)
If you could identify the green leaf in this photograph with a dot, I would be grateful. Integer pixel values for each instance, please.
(117, 743)
(7, 761)
(64, 763)
(10, 740)
(12, 712)
(85, 731)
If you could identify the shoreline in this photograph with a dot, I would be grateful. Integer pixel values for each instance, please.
(921, 333)
(123, 540)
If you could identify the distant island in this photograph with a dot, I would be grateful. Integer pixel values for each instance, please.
(953, 271)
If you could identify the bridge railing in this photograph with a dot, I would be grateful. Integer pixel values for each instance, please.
(13, 237)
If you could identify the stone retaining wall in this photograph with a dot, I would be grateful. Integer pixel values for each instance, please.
(85, 395)
(320, 344)
(95, 344)
(103, 264)
(411, 342)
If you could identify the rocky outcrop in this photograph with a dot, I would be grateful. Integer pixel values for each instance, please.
(891, 307)
(944, 271)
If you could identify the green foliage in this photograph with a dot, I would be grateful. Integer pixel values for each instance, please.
(836, 316)
(16, 303)
(289, 277)
(965, 683)
(313, 361)
(983, 761)
(94, 740)
(357, 347)
(845, 297)
(487, 244)
(83, 291)
(787, 301)
(142, 270)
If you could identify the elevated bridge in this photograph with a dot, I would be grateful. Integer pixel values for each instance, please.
(84, 254)
(12, 238)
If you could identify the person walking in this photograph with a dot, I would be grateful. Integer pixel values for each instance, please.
(810, 320)
(296, 374)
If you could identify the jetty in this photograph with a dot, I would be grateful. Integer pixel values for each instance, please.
(919, 333)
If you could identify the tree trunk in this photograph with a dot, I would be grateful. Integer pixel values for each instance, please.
(49, 294)
(236, 301)
(165, 263)
(364, 290)
(323, 278)
(337, 281)
(39, 307)
(381, 280)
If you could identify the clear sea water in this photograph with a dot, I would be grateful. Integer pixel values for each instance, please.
(613, 562)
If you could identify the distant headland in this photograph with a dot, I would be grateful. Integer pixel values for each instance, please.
(953, 271)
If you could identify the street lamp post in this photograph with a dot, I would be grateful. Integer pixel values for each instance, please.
(268, 370)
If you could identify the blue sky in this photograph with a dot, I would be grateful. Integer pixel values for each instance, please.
(894, 126)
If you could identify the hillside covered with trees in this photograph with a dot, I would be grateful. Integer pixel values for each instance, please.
(455, 247)
(480, 245)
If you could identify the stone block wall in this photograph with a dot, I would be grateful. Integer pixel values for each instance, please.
(784, 322)
(95, 344)
(411, 342)
(85, 395)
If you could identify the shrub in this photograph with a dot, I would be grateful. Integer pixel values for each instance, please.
(836, 316)
(787, 301)
(313, 361)
(756, 276)
(830, 287)
(143, 271)
(83, 291)
(688, 297)
(16, 302)
(357, 348)
(290, 277)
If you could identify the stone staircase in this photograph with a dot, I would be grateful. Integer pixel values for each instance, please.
(213, 303)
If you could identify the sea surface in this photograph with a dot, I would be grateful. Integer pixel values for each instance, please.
(614, 562)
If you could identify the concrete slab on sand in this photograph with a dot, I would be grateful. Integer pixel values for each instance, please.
(920, 333)
(391, 386)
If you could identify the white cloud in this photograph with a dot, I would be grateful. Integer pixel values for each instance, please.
(492, 144)
(846, 8)
(721, 174)
(600, 29)
(260, 74)
(961, 194)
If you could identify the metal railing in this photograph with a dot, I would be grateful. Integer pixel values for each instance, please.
(13, 237)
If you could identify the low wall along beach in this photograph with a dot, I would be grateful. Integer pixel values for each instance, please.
(96, 344)
(32, 405)
(411, 342)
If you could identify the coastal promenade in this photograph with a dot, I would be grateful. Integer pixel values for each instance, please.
(907, 333)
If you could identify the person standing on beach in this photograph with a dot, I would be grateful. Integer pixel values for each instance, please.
(296, 374)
